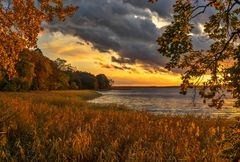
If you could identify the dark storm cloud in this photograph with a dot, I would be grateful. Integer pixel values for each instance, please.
(123, 60)
(115, 25)
(154, 69)
(123, 26)
(120, 67)
(162, 7)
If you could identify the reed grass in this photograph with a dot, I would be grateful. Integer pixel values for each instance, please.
(62, 126)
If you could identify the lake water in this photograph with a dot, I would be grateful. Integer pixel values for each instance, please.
(164, 100)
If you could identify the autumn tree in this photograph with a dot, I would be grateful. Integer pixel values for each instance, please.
(220, 63)
(20, 24)
(43, 71)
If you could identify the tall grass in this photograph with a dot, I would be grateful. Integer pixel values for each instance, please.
(61, 126)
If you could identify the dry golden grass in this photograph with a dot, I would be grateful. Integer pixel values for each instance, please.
(61, 126)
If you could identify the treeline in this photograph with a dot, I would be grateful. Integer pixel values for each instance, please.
(37, 72)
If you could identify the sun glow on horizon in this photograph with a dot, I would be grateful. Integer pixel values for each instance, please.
(83, 56)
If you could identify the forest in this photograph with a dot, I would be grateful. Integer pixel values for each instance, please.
(37, 72)
(46, 118)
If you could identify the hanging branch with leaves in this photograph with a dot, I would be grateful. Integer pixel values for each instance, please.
(20, 24)
(220, 63)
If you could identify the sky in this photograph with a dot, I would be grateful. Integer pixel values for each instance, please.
(117, 38)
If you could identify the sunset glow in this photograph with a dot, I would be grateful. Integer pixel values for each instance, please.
(83, 56)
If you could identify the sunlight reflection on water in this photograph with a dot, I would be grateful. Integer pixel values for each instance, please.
(164, 100)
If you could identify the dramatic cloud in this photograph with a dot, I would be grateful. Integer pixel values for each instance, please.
(127, 27)
(163, 7)
(122, 60)
(123, 67)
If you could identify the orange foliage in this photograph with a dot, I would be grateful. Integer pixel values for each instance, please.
(20, 24)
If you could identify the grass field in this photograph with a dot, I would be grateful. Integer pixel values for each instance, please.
(62, 126)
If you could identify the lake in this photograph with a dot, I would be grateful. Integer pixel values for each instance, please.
(164, 100)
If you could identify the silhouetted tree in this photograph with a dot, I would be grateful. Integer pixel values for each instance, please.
(87, 80)
(221, 61)
(103, 82)
(63, 65)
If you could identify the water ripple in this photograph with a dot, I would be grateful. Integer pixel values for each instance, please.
(164, 100)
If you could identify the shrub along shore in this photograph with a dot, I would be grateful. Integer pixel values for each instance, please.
(62, 126)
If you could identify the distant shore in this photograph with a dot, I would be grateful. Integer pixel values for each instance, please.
(131, 87)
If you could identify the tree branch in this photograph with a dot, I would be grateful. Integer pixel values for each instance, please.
(199, 7)
(237, 1)
(228, 42)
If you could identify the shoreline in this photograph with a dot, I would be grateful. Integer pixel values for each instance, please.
(67, 125)
(171, 112)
